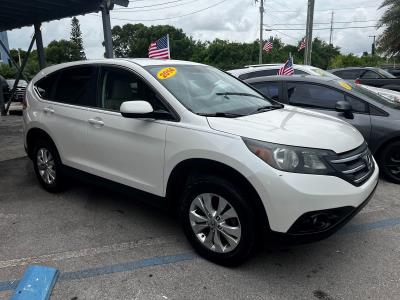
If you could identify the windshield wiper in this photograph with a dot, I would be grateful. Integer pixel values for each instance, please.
(267, 108)
(239, 94)
(221, 114)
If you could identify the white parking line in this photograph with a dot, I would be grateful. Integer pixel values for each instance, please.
(86, 252)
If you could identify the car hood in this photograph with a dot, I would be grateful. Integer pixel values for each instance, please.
(293, 126)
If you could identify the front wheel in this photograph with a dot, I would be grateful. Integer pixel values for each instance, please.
(218, 221)
(389, 162)
(47, 165)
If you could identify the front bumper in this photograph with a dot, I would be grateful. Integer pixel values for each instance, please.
(317, 225)
(289, 196)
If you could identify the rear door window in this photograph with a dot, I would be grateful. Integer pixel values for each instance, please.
(313, 95)
(77, 86)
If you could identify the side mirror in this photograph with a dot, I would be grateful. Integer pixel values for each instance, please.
(136, 109)
(345, 108)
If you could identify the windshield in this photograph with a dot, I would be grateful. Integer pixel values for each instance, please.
(391, 102)
(208, 91)
(384, 73)
(324, 73)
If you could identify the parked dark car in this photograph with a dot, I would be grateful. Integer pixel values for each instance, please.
(376, 117)
(394, 71)
(20, 92)
(369, 76)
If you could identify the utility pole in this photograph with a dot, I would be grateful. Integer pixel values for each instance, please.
(373, 45)
(310, 22)
(330, 36)
(261, 30)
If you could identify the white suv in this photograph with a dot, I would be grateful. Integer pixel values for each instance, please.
(237, 166)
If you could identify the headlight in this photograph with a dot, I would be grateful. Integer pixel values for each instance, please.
(290, 158)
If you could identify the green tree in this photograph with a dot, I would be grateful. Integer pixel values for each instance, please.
(61, 51)
(323, 53)
(133, 40)
(389, 40)
(7, 71)
(76, 39)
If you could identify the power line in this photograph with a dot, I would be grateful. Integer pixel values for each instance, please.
(297, 11)
(289, 36)
(351, 27)
(155, 4)
(323, 23)
(157, 8)
(169, 18)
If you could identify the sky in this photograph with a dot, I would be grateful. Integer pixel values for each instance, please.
(233, 20)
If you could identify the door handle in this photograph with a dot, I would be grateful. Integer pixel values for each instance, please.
(96, 122)
(48, 110)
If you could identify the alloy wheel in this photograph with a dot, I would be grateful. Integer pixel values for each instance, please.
(215, 223)
(46, 166)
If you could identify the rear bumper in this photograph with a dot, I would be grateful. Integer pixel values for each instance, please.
(318, 225)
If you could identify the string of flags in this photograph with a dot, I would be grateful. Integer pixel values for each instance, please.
(268, 46)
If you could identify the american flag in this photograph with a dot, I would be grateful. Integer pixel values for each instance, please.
(268, 46)
(287, 68)
(302, 44)
(160, 48)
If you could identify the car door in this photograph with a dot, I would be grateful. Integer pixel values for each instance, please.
(126, 150)
(65, 96)
(322, 98)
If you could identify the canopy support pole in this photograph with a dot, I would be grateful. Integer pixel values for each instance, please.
(39, 46)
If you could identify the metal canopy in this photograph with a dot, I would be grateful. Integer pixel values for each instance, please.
(20, 13)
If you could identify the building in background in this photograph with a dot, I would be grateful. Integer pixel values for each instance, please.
(3, 55)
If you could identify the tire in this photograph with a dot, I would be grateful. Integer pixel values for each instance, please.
(49, 173)
(212, 241)
(389, 162)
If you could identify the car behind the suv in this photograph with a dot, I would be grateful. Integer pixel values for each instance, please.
(236, 165)
(375, 116)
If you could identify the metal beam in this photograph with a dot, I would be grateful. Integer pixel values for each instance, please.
(20, 72)
(39, 46)
(105, 13)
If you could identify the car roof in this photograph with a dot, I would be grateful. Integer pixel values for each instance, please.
(252, 68)
(143, 62)
(303, 77)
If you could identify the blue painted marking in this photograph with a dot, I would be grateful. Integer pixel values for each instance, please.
(162, 260)
(36, 284)
(368, 226)
(129, 266)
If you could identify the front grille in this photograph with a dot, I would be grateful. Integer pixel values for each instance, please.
(355, 166)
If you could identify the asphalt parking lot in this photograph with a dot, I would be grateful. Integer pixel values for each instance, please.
(111, 246)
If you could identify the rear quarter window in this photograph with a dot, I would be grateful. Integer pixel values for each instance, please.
(45, 86)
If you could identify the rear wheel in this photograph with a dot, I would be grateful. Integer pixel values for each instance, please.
(47, 165)
(389, 161)
(218, 221)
